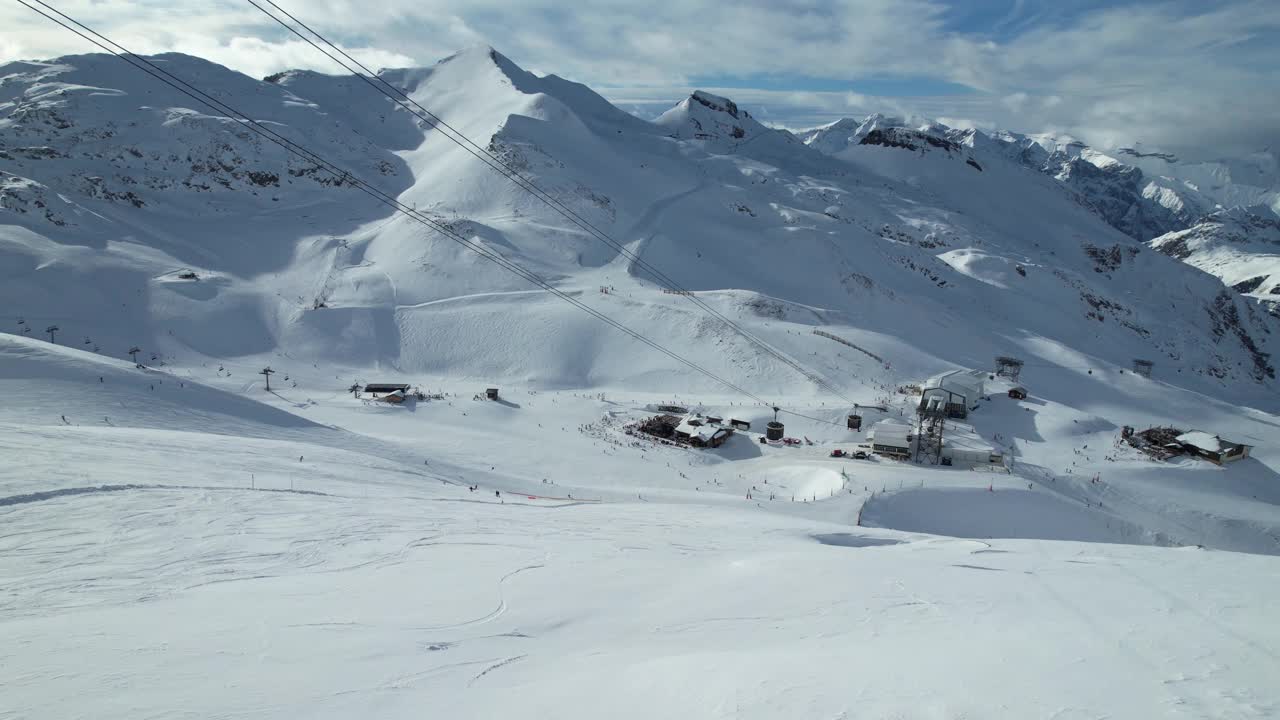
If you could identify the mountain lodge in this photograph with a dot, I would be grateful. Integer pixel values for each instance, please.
(1212, 448)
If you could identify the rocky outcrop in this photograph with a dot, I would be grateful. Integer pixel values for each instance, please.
(908, 139)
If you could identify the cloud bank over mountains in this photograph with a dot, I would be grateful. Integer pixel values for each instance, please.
(1192, 78)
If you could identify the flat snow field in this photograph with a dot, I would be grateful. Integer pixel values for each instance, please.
(172, 549)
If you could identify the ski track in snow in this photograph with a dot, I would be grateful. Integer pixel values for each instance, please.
(494, 614)
(478, 296)
(65, 492)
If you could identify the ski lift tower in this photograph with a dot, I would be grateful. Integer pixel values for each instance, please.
(1142, 367)
(1008, 367)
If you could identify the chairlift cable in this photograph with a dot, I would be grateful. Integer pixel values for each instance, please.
(141, 63)
(435, 122)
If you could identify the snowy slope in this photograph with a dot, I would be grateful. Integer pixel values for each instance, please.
(1143, 194)
(348, 607)
(776, 235)
(1132, 198)
(129, 422)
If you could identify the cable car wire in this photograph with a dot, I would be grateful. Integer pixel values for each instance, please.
(435, 122)
(344, 176)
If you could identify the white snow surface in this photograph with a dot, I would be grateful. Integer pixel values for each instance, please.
(189, 550)
(177, 540)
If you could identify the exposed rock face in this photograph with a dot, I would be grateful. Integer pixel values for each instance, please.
(61, 135)
(703, 116)
(1116, 192)
(908, 139)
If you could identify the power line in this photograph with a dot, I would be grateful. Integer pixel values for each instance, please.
(345, 176)
(810, 417)
(500, 166)
(217, 105)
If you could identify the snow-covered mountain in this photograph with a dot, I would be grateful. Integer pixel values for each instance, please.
(1239, 245)
(1145, 195)
(1235, 182)
(118, 191)
(703, 116)
(847, 132)
(189, 522)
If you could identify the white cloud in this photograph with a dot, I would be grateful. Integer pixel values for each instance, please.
(1016, 102)
(1171, 73)
(258, 57)
(966, 123)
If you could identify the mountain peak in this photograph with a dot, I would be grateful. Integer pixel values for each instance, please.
(718, 104)
(706, 116)
(848, 132)
(481, 57)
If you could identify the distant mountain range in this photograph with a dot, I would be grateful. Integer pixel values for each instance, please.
(1229, 206)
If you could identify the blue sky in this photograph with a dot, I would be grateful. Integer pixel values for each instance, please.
(1198, 78)
(999, 21)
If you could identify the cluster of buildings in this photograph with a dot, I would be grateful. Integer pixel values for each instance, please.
(397, 393)
(897, 440)
(693, 429)
(948, 396)
(701, 431)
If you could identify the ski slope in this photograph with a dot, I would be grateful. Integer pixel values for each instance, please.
(226, 556)
(267, 605)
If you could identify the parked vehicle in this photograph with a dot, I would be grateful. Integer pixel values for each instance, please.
(860, 455)
(839, 453)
